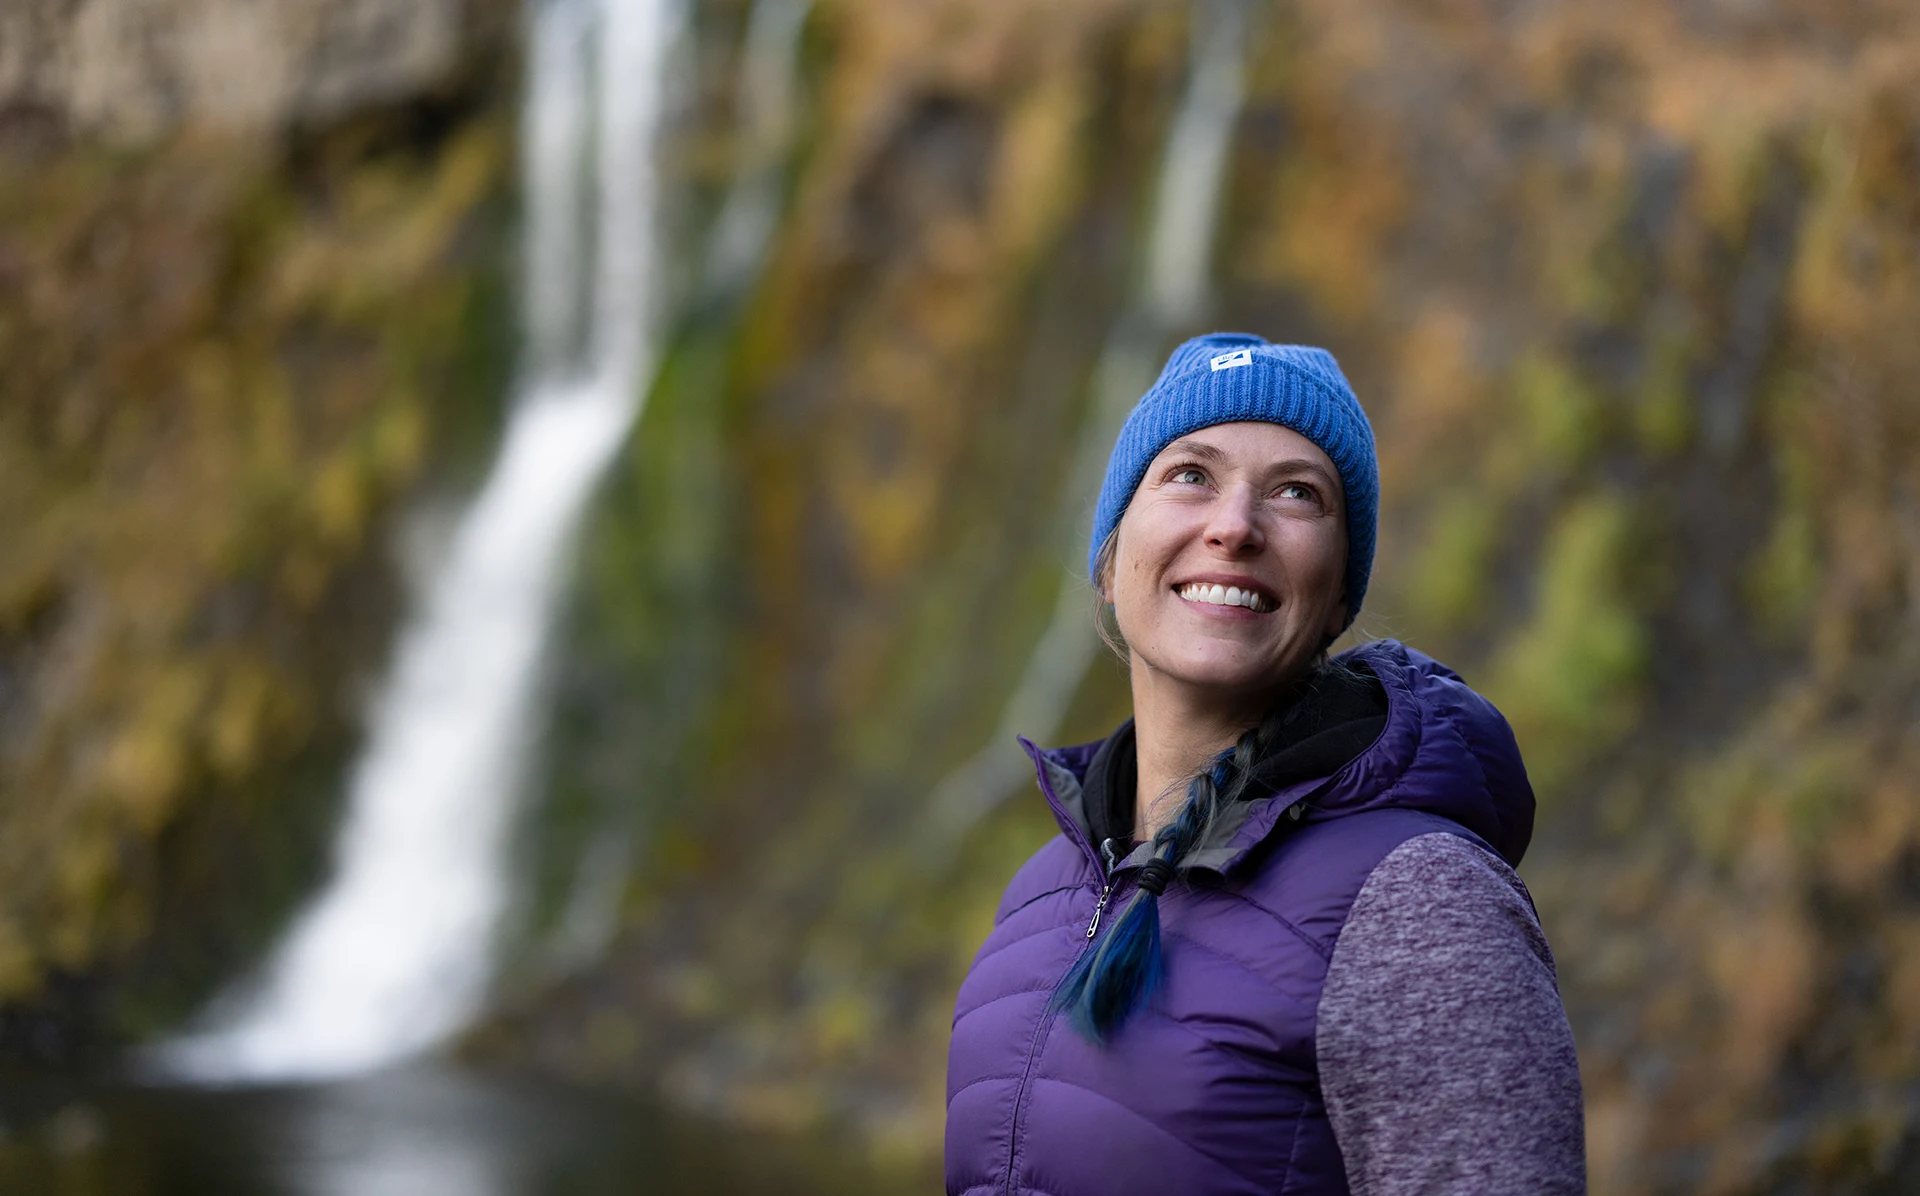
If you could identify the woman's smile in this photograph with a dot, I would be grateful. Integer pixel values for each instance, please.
(1228, 597)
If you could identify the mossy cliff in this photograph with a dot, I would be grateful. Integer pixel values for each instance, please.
(1629, 293)
(231, 345)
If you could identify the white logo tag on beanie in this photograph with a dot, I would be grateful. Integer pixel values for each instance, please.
(1227, 361)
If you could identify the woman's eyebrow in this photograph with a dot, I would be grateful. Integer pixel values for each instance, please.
(1196, 448)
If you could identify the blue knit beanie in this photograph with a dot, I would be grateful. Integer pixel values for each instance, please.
(1228, 376)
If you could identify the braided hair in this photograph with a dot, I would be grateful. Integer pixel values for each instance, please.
(1105, 985)
(1108, 983)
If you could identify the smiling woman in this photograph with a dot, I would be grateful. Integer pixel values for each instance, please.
(1236, 544)
(1325, 976)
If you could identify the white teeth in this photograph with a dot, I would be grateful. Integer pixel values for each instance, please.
(1225, 596)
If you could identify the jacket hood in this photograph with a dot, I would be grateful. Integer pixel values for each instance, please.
(1444, 750)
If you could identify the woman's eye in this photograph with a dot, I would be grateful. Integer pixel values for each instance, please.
(1299, 491)
(1191, 476)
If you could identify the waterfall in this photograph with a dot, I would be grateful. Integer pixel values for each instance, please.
(396, 951)
(769, 101)
(1171, 292)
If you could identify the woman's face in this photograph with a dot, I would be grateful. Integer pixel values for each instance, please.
(1229, 568)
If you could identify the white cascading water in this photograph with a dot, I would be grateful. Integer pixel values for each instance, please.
(396, 952)
(1173, 291)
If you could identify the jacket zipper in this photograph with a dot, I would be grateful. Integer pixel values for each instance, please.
(1100, 906)
(1046, 1017)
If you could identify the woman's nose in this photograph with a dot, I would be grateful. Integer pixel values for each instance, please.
(1234, 527)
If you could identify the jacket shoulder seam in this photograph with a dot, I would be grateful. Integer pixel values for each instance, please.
(999, 918)
(1325, 953)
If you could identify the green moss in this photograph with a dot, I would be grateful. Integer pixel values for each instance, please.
(1784, 577)
(1594, 267)
(1562, 414)
(1569, 680)
(1451, 572)
(1809, 787)
(1663, 414)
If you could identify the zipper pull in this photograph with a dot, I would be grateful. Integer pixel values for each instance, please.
(1094, 926)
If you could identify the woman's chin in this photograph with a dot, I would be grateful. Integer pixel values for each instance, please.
(1233, 677)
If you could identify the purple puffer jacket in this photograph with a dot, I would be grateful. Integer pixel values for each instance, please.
(1213, 1087)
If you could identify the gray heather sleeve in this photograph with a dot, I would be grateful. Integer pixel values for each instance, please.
(1445, 1055)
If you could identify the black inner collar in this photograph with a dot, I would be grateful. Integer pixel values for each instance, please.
(1340, 713)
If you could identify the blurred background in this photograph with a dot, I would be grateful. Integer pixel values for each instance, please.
(530, 526)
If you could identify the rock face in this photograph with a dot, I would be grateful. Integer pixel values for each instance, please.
(1629, 292)
(230, 347)
(131, 70)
